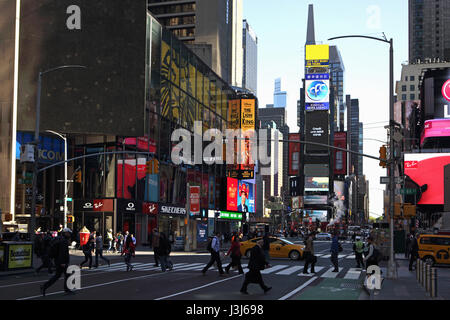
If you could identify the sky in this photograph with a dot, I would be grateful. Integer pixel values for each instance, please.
(281, 30)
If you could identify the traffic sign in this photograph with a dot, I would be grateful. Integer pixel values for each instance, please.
(397, 180)
(408, 191)
(384, 180)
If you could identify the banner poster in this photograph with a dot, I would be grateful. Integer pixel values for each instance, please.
(126, 178)
(232, 190)
(194, 200)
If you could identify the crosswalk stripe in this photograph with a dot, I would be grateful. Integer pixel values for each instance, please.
(192, 266)
(353, 273)
(326, 256)
(274, 268)
(290, 270)
(104, 266)
(330, 274)
(316, 269)
(350, 257)
(175, 267)
(341, 256)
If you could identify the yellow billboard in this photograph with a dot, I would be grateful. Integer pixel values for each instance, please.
(233, 114)
(247, 114)
(317, 55)
(19, 256)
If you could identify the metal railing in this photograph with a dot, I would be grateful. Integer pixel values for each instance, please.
(426, 275)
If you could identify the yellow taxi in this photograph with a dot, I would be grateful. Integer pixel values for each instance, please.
(434, 248)
(279, 248)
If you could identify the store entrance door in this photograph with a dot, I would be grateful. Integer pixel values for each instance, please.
(94, 221)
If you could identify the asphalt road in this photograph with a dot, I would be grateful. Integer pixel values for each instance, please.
(186, 281)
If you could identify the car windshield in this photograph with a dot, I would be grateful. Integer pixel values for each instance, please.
(288, 242)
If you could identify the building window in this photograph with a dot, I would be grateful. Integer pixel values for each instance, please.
(403, 88)
(411, 87)
(406, 78)
(404, 97)
(412, 96)
(411, 78)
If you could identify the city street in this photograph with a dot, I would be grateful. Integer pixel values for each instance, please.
(185, 281)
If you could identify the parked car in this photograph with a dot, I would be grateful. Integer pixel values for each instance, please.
(434, 248)
(323, 236)
(279, 248)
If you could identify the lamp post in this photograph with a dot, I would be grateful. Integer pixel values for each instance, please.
(64, 137)
(392, 268)
(36, 145)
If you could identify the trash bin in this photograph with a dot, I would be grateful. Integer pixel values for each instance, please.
(84, 236)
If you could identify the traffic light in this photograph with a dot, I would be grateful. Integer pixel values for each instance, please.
(78, 177)
(383, 156)
(155, 166)
(152, 166)
(70, 219)
(148, 167)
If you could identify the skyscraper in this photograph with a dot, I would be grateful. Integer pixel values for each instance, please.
(337, 70)
(354, 136)
(250, 67)
(429, 30)
(279, 97)
(210, 28)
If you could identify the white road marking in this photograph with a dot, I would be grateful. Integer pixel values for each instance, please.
(274, 268)
(316, 269)
(353, 273)
(330, 274)
(192, 266)
(350, 257)
(290, 270)
(290, 294)
(326, 256)
(198, 288)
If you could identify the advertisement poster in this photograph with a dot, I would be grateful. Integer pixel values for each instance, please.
(317, 214)
(294, 154)
(317, 92)
(19, 256)
(315, 199)
(126, 178)
(234, 114)
(195, 200)
(212, 192)
(317, 130)
(316, 183)
(245, 198)
(340, 157)
(202, 232)
(232, 194)
(317, 55)
(152, 187)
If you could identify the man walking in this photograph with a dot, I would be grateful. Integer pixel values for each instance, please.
(309, 254)
(414, 252)
(99, 250)
(335, 251)
(155, 245)
(215, 255)
(266, 246)
(256, 263)
(62, 259)
(358, 248)
(110, 238)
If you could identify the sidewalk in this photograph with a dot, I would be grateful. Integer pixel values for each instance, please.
(405, 287)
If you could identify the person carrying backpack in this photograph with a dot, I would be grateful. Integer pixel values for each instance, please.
(163, 251)
(128, 251)
(60, 252)
(45, 253)
(214, 248)
(373, 257)
(310, 258)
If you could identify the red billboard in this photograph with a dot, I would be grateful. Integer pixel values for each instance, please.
(340, 157)
(195, 200)
(232, 189)
(428, 169)
(294, 154)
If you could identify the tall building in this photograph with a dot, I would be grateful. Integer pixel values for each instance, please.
(354, 136)
(337, 71)
(210, 28)
(279, 97)
(250, 65)
(429, 30)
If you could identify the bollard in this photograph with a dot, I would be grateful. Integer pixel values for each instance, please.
(433, 283)
(423, 274)
(417, 269)
(420, 272)
(428, 278)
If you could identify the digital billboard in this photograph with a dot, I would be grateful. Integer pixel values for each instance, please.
(232, 194)
(240, 196)
(315, 199)
(426, 170)
(109, 96)
(436, 93)
(294, 154)
(339, 189)
(316, 183)
(321, 215)
(317, 91)
(340, 157)
(316, 130)
(317, 55)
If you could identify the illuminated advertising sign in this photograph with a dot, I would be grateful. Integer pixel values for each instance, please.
(247, 114)
(317, 92)
(232, 194)
(246, 200)
(436, 94)
(446, 90)
(339, 188)
(427, 169)
(317, 55)
(20, 256)
(194, 192)
(316, 131)
(294, 154)
(321, 215)
(316, 183)
(340, 157)
(234, 118)
(315, 199)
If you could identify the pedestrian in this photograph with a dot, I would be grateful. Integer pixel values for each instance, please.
(256, 263)
(87, 249)
(358, 248)
(119, 242)
(44, 252)
(99, 250)
(235, 251)
(266, 246)
(335, 248)
(414, 252)
(155, 245)
(215, 255)
(128, 252)
(163, 251)
(408, 245)
(62, 259)
(308, 252)
(373, 254)
(110, 238)
(125, 236)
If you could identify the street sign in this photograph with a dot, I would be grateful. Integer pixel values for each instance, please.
(408, 191)
(384, 180)
(69, 199)
(397, 180)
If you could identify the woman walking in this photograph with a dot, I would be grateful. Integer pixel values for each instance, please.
(235, 251)
(128, 251)
(119, 242)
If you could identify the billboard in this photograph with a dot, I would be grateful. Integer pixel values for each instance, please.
(246, 199)
(109, 97)
(316, 131)
(315, 199)
(340, 157)
(232, 194)
(316, 183)
(339, 189)
(436, 93)
(294, 154)
(321, 215)
(317, 55)
(317, 91)
(194, 192)
(426, 170)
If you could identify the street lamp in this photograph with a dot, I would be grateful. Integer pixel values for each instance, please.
(392, 268)
(36, 144)
(64, 137)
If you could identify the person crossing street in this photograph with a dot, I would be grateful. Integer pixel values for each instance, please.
(256, 263)
(88, 248)
(358, 248)
(235, 251)
(309, 254)
(99, 250)
(335, 248)
(215, 255)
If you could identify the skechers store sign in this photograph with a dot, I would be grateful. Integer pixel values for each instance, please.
(165, 209)
(51, 150)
